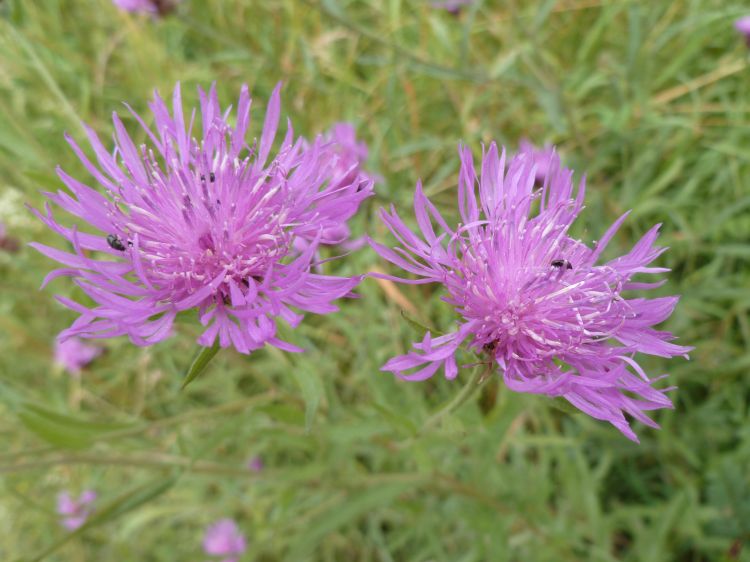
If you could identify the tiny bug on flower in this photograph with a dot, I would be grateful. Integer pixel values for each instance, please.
(115, 243)
(562, 263)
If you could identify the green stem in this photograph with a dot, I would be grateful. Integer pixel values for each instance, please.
(478, 377)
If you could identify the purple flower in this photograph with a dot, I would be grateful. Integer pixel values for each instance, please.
(223, 538)
(207, 224)
(74, 355)
(452, 6)
(154, 7)
(543, 158)
(75, 512)
(743, 26)
(530, 297)
(255, 464)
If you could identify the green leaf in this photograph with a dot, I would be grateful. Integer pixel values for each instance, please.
(128, 501)
(200, 363)
(52, 433)
(62, 430)
(87, 426)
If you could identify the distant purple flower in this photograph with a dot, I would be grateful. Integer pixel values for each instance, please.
(74, 355)
(223, 538)
(530, 297)
(154, 7)
(207, 224)
(542, 157)
(255, 464)
(452, 6)
(743, 26)
(75, 512)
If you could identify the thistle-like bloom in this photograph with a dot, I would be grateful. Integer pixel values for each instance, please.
(207, 224)
(538, 303)
(73, 355)
(75, 512)
(223, 538)
(153, 7)
(743, 26)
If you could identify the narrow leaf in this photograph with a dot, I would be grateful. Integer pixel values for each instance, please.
(74, 422)
(200, 363)
(63, 430)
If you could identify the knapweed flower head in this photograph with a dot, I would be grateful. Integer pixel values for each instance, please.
(223, 538)
(153, 7)
(205, 224)
(73, 354)
(743, 26)
(75, 512)
(531, 299)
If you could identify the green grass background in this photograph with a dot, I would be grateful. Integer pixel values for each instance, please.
(650, 99)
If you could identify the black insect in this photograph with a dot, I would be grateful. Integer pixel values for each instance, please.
(115, 243)
(212, 177)
(562, 263)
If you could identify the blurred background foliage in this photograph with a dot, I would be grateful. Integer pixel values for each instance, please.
(650, 99)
